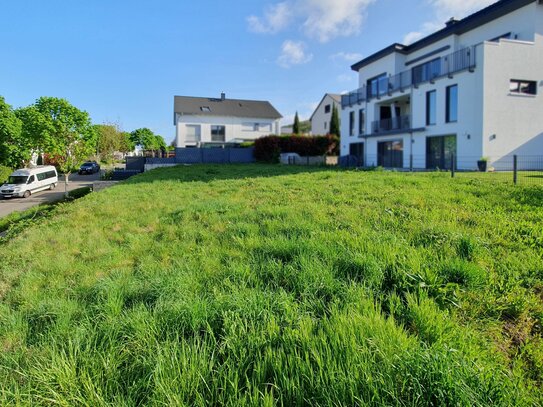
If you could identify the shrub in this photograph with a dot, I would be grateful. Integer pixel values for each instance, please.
(268, 149)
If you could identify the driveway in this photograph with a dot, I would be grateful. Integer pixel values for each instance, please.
(10, 205)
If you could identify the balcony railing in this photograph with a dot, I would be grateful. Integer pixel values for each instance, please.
(448, 65)
(393, 124)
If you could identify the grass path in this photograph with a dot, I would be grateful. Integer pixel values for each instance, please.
(265, 285)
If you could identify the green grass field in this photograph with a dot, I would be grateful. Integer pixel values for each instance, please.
(268, 285)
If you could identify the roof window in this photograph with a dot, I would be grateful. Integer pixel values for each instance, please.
(205, 109)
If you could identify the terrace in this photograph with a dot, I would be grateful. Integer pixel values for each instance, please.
(446, 66)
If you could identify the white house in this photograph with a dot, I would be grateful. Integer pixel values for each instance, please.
(472, 89)
(218, 121)
(320, 119)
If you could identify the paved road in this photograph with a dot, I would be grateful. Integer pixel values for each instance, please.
(10, 205)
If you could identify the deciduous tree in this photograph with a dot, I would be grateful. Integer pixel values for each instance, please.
(14, 151)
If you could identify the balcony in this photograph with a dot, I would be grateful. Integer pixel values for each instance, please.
(392, 125)
(448, 65)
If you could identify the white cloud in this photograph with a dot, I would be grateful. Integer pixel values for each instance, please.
(346, 56)
(320, 19)
(293, 53)
(443, 11)
(276, 18)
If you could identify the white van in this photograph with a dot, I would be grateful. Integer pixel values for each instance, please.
(26, 181)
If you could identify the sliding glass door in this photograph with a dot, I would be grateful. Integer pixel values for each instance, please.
(390, 154)
(439, 151)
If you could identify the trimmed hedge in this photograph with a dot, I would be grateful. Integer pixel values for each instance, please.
(268, 149)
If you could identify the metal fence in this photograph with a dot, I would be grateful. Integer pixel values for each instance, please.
(514, 169)
(216, 155)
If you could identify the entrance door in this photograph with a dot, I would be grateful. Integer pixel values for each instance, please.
(439, 151)
(390, 154)
(357, 150)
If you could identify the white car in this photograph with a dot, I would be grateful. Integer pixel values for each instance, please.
(26, 181)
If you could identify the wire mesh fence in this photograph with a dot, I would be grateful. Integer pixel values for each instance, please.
(514, 169)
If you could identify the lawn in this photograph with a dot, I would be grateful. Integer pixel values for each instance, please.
(268, 285)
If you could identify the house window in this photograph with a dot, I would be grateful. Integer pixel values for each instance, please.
(377, 86)
(427, 71)
(265, 127)
(327, 109)
(218, 133)
(193, 133)
(520, 87)
(205, 109)
(325, 125)
(361, 121)
(451, 113)
(431, 108)
(351, 123)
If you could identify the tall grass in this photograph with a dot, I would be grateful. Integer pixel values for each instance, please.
(268, 285)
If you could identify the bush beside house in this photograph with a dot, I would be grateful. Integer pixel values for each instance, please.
(268, 149)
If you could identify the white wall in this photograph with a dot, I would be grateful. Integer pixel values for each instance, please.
(234, 127)
(513, 124)
(320, 122)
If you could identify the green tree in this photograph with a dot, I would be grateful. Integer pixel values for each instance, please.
(14, 150)
(110, 140)
(296, 125)
(147, 140)
(127, 145)
(334, 122)
(65, 132)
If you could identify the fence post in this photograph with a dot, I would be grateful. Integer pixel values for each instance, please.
(515, 170)
(411, 162)
(453, 169)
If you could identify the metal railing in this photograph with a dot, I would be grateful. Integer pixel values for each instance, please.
(511, 169)
(447, 65)
(392, 124)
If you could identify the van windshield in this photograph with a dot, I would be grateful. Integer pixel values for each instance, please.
(17, 179)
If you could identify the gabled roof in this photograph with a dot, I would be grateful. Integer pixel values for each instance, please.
(335, 96)
(223, 107)
(471, 22)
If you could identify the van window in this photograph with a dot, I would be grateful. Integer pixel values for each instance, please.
(31, 179)
(41, 176)
(17, 179)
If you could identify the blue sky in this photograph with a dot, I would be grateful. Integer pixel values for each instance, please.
(123, 61)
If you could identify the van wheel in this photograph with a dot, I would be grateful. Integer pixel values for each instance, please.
(26, 194)
(52, 186)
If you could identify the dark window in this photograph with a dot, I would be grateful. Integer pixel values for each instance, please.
(325, 124)
(377, 86)
(390, 154)
(357, 150)
(30, 179)
(427, 71)
(431, 107)
(452, 104)
(439, 152)
(351, 123)
(523, 87)
(361, 121)
(327, 109)
(218, 133)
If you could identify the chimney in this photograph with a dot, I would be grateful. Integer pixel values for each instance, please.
(223, 96)
(452, 21)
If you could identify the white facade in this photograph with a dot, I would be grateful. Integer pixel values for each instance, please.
(321, 117)
(193, 130)
(452, 95)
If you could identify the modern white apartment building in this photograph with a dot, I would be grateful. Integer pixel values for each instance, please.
(321, 117)
(203, 121)
(473, 89)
